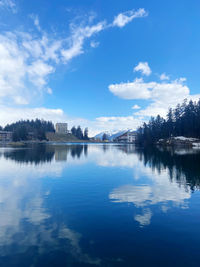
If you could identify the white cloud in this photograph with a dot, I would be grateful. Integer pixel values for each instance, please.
(136, 107)
(117, 123)
(111, 124)
(49, 91)
(144, 68)
(36, 21)
(123, 18)
(94, 44)
(132, 90)
(79, 34)
(9, 4)
(20, 100)
(24, 67)
(159, 95)
(165, 95)
(38, 72)
(12, 68)
(9, 115)
(27, 60)
(163, 77)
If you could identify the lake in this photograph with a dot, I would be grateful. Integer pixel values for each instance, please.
(99, 205)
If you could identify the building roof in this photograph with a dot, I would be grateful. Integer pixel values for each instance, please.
(125, 134)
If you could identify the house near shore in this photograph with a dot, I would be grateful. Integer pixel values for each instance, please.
(127, 137)
(5, 136)
(62, 128)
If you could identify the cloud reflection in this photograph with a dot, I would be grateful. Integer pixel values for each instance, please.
(26, 223)
(158, 190)
(156, 187)
(145, 218)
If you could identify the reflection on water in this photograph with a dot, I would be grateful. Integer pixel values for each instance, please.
(82, 205)
(182, 165)
(44, 153)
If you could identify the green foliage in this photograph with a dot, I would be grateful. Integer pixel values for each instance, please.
(184, 120)
(104, 137)
(77, 132)
(86, 134)
(30, 129)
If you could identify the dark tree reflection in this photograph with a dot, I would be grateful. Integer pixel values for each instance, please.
(42, 153)
(182, 165)
(32, 154)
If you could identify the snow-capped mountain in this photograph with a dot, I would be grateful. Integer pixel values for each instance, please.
(100, 135)
(115, 135)
(111, 135)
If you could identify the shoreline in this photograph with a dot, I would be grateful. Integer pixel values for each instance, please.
(179, 141)
(24, 143)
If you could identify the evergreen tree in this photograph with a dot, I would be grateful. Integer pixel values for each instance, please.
(104, 137)
(73, 130)
(170, 122)
(79, 133)
(86, 134)
(26, 129)
(184, 120)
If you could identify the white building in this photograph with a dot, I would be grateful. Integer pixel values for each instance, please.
(131, 137)
(61, 128)
(128, 137)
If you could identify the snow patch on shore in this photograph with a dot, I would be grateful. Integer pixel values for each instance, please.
(183, 138)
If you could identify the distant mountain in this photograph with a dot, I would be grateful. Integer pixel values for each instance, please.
(115, 135)
(100, 135)
(111, 135)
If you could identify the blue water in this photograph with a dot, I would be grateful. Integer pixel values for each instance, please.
(99, 205)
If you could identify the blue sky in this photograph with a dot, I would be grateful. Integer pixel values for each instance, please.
(102, 64)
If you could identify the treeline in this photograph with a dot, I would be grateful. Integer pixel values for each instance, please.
(79, 133)
(184, 120)
(36, 130)
(30, 129)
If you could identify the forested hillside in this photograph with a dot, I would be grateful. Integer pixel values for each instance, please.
(184, 120)
(30, 129)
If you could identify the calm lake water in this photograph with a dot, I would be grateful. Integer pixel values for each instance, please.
(99, 205)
